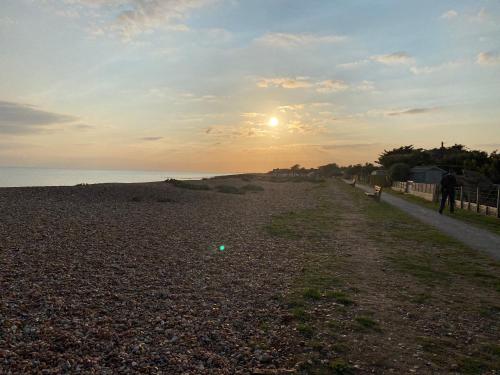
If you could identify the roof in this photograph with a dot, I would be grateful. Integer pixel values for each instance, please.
(425, 168)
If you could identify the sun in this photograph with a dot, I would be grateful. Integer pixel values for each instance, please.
(273, 122)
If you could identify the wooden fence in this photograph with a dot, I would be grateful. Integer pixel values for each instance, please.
(484, 201)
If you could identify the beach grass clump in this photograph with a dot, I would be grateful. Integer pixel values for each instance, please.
(187, 185)
(229, 189)
(252, 188)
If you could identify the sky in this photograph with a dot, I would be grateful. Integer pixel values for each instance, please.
(243, 85)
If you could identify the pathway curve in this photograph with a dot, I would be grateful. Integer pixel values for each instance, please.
(472, 236)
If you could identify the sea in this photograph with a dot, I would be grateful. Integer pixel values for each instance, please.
(23, 176)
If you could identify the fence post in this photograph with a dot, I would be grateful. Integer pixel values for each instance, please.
(461, 197)
(477, 200)
(498, 202)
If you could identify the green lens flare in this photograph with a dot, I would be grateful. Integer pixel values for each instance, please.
(222, 248)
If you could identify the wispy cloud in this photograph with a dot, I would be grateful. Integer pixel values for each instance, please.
(285, 82)
(396, 58)
(353, 64)
(128, 18)
(410, 111)
(18, 118)
(488, 58)
(449, 14)
(423, 70)
(151, 139)
(295, 40)
(325, 86)
(329, 86)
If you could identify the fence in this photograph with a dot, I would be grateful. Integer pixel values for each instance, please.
(485, 201)
(429, 192)
(482, 200)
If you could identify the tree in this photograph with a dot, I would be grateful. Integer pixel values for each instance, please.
(330, 170)
(399, 172)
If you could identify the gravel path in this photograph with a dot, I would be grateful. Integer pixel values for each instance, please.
(474, 237)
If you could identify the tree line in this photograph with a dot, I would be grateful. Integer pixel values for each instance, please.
(399, 161)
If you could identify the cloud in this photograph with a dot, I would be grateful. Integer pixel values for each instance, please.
(329, 86)
(395, 58)
(294, 40)
(326, 86)
(353, 64)
(423, 70)
(411, 111)
(83, 127)
(285, 83)
(151, 139)
(349, 146)
(18, 118)
(129, 18)
(488, 58)
(366, 86)
(449, 14)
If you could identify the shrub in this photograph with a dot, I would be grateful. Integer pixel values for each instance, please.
(187, 185)
(252, 187)
(229, 189)
(399, 172)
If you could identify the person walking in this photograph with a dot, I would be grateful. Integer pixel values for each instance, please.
(448, 185)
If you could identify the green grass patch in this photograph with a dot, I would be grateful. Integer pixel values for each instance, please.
(340, 367)
(305, 329)
(311, 223)
(252, 188)
(366, 323)
(228, 189)
(312, 293)
(339, 297)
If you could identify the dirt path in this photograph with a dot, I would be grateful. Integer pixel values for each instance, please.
(473, 237)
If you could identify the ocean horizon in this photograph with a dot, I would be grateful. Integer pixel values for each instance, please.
(32, 176)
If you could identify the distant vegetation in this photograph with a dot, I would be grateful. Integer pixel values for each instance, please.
(456, 158)
(187, 184)
(399, 161)
(229, 189)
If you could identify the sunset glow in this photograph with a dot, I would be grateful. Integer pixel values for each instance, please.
(273, 122)
(152, 85)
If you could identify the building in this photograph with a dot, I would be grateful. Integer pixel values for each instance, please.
(426, 174)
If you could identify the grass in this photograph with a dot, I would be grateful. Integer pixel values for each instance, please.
(310, 223)
(475, 362)
(366, 323)
(317, 283)
(228, 189)
(187, 185)
(481, 221)
(252, 188)
(339, 297)
(296, 179)
(439, 258)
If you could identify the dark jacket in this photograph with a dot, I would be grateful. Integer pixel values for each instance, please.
(448, 182)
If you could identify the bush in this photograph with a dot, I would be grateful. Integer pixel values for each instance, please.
(228, 189)
(252, 187)
(399, 172)
(187, 185)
